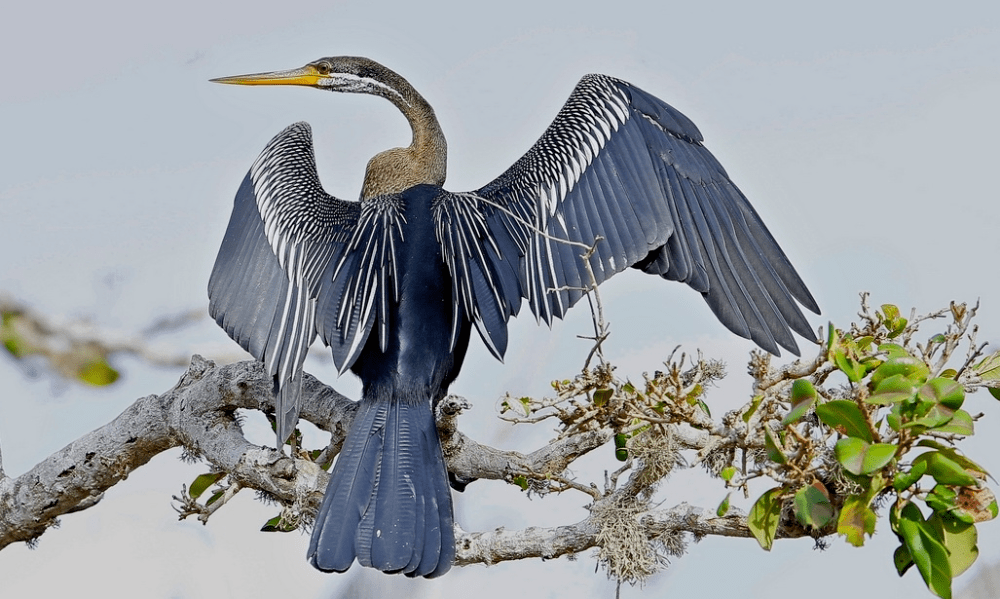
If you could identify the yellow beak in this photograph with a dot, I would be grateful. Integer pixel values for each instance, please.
(307, 75)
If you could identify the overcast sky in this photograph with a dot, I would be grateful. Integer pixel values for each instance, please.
(864, 134)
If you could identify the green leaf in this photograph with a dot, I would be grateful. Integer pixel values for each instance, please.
(848, 365)
(775, 449)
(902, 560)
(893, 350)
(896, 327)
(845, 417)
(276, 525)
(723, 508)
(754, 404)
(893, 389)
(960, 540)
(763, 518)
(520, 481)
(892, 320)
(803, 397)
(315, 455)
(727, 473)
(943, 391)
(601, 396)
(927, 549)
(945, 470)
(994, 391)
(704, 406)
(891, 311)
(934, 415)
(895, 418)
(856, 520)
(215, 497)
(12, 341)
(812, 506)
(98, 373)
(973, 503)
(851, 357)
(905, 479)
(621, 451)
(202, 482)
(989, 370)
(941, 498)
(925, 411)
(952, 454)
(960, 424)
(12, 344)
(906, 365)
(864, 344)
(862, 458)
(694, 394)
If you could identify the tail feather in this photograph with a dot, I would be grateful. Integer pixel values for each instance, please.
(441, 543)
(394, 513)
(388, 504)
(412, 566)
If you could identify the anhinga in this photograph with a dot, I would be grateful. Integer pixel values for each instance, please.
(395, 282)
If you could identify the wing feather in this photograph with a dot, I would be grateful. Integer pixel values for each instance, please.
(621, 164)
(295, 262)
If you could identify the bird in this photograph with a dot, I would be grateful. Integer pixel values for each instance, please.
(395, 282)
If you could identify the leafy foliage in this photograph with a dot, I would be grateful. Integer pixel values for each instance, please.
(873, 420)
(892, 431)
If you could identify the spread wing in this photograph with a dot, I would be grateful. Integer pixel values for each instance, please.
(621, 164)
(296, 261)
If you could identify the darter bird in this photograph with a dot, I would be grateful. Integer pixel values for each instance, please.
(394, 283)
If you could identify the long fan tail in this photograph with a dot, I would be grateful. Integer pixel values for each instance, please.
(388, 503)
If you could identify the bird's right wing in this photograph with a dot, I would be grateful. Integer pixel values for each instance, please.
(291, 265)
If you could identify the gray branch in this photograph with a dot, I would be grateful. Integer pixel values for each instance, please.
(547, 543)
(198, 413)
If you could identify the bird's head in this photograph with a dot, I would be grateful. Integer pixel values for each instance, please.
(349, 74)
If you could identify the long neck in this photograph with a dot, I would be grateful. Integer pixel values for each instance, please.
(423, 161)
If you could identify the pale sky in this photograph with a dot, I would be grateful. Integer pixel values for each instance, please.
(863, 133)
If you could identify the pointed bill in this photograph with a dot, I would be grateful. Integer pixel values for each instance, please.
(307, 75)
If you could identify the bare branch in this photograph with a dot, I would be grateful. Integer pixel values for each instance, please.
(198, 414)
(504, 545)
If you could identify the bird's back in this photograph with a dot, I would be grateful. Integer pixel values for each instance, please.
(417, 357)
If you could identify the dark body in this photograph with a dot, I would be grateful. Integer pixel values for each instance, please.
(418, 358)
(395, 282)
(388, 499)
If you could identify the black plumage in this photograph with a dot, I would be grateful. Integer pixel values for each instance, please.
(395, 282)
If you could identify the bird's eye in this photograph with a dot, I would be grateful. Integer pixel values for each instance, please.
(323, 68)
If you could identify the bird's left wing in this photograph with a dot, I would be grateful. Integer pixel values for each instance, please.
(619, 164)
(286, 239)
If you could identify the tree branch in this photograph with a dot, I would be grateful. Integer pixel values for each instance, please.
(500, 545)
(198, 413)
